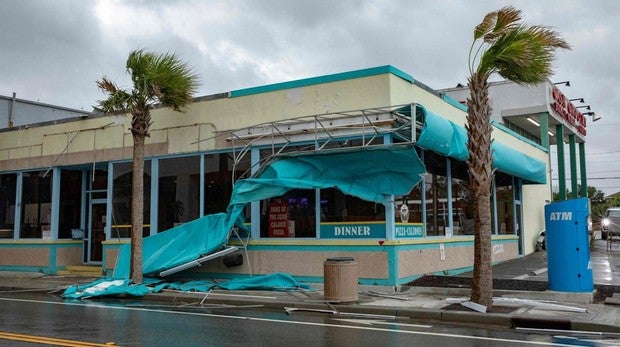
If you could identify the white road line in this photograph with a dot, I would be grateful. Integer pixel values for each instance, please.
(494, 339)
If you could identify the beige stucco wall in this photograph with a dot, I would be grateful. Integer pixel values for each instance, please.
(69, 256)
(428, 260)
(104, 138)
(24, 256)
(296, 263)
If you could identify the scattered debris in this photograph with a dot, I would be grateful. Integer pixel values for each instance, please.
(476, 307)
(544, 305)
(384, 295)
(290, 310)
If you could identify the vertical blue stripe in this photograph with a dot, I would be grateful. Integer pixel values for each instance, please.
(392, 254)
(53, 255)
(18, 205)
(109, 219)
(85, 187)
(423, 196)
(55, 213)
(201, 194)
(449, 186)
(154, 196)
(494, 207)
(255, 205)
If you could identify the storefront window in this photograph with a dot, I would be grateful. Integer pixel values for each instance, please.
(436, 192)
(462, 200)
(505, 204)
(291, 214)
(36, 204)
(339, 207)
(121, 199)
(70, 202)
(219, 177)
(8, 183)
(179, 191)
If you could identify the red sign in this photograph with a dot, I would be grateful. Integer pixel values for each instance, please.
(567, 110)
(278, 219)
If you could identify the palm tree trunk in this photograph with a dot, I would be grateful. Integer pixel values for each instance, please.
(480, 179)
(137, 208)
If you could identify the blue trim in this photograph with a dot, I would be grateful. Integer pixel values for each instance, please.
(154, 228)
(514, 134)
(108, 207)
(323, 79)
(18, 268)
(315, 248)
(202, 185)
(55, 209)
(53, 255)
(18, 205)
(392, 255)
(454, 103)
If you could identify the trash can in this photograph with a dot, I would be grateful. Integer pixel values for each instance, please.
(340, 279)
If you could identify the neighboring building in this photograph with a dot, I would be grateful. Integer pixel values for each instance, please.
(16, 113)
(59, 181)
(543, 114)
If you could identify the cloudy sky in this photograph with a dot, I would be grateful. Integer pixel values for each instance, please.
(54, 51)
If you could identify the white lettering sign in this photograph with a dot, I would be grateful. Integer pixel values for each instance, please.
(362, 230)
(556, 216)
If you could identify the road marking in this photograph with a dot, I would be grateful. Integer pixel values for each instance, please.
(372, 322)
(51, 340)
(270, 320)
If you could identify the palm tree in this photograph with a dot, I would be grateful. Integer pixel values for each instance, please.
(157, 79)
(520, 53)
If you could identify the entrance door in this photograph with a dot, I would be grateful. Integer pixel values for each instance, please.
(96, 231)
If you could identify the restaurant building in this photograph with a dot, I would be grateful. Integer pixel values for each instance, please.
(65, 186)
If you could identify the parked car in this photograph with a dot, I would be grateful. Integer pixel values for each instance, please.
(610, 224)
(541, 242)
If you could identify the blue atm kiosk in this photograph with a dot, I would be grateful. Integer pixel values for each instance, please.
(568, 250)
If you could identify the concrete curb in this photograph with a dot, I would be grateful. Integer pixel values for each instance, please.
(432, 314)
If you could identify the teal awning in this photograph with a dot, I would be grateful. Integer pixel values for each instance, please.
(449, 139)
(370, 173)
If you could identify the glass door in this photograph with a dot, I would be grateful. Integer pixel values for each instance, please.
(96, 231)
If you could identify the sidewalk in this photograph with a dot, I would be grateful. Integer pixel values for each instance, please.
(512, 308)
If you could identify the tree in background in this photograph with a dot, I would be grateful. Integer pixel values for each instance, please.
(522, 54)
(157, 79)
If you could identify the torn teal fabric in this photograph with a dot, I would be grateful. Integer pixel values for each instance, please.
(449, 139)
(178, 245)
(508, 160)
(116, 287)
(442, 136)
(105, 287)
(276, 281)
(370, 173)
(193, 286)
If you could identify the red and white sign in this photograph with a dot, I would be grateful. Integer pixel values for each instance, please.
(567, 110)
(278, 219)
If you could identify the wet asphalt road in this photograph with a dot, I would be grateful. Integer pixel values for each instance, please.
(34, 316)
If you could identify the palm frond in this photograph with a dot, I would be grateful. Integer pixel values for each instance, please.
(523, 54)
(162, 78)
(118, 101)
(497, 23)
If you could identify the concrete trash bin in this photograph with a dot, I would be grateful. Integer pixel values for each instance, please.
(340, 279)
